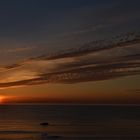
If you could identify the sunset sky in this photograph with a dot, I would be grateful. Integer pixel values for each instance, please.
(70, 51)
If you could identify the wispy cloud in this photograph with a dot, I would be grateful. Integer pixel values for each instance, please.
(96, 60)
(17, 49)
(136, 91)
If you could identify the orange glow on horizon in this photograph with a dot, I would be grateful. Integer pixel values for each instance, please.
(4, 99)
(1, 99)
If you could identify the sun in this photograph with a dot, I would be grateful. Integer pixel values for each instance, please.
(1, 99)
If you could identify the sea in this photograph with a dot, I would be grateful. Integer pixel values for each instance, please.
(69, 122)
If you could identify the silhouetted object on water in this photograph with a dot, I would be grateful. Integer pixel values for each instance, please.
(44, 124)
(54, 137)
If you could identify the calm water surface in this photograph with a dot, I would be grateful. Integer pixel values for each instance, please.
(69, 122)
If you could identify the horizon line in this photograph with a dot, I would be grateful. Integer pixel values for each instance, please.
(85, 104)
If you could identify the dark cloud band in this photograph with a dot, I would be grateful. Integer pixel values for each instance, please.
(97, 60)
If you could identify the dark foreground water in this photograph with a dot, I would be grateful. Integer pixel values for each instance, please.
(69, 122)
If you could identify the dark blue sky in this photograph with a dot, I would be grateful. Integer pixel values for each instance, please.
(35, 19)
(44, 26)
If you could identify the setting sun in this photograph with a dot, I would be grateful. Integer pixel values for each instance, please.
(1, 99)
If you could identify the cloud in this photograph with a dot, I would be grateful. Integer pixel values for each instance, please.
(136, 91)
(96, 60)
(17, 49)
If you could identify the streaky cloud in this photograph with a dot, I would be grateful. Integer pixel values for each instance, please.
(96, 46)
(94, 61)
